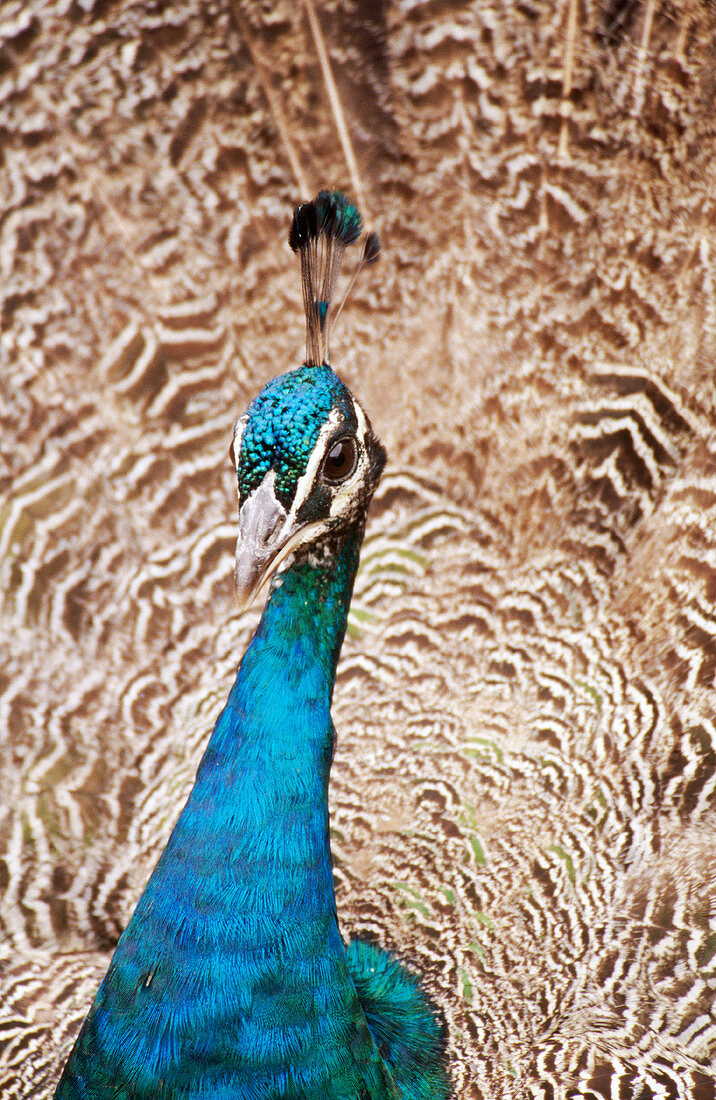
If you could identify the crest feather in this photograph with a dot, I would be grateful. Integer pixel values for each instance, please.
(320, 232)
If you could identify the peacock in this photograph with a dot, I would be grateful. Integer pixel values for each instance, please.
(231, 978)
(522, 805)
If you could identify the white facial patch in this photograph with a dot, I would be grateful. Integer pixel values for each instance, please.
(344, 495)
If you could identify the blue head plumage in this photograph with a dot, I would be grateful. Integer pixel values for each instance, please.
(281, 427)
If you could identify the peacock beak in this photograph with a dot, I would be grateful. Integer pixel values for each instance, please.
(265, 530)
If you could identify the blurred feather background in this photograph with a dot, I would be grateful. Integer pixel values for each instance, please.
(524, 791)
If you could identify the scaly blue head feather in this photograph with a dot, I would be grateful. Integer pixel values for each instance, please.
(282, 426)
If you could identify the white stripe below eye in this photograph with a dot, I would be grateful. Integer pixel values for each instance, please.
(343, 498)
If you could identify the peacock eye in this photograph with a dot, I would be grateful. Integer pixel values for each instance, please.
(340, 462)
(232, 453)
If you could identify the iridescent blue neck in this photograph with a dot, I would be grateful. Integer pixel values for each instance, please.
(279, 708)
(264, 776)
(233, 958)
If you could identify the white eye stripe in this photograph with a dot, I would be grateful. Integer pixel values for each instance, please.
(239, 426)
(307, 480)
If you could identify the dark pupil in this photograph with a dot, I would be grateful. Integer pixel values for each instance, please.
(340, 460)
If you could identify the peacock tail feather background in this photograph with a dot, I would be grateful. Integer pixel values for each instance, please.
(523, 797)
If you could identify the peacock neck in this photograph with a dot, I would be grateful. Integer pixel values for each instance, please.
(241, 909)
(231, 977)
(278, 713)
(266, 767)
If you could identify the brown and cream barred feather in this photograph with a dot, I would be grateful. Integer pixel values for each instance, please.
(524, 792)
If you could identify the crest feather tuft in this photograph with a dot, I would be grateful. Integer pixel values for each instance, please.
(320, 232)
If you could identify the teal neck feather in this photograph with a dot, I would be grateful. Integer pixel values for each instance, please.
(232, 967)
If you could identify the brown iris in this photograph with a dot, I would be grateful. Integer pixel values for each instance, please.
(340, 462)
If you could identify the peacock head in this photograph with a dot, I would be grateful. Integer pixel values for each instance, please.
(306, 457)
